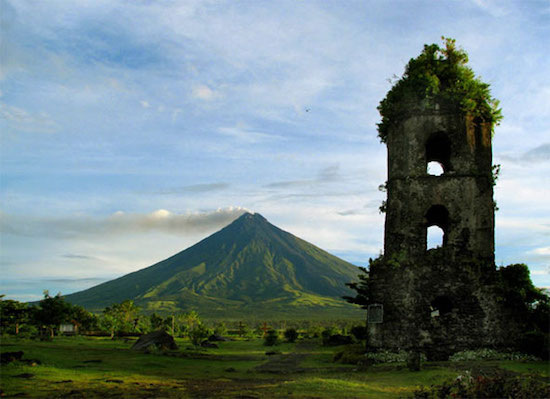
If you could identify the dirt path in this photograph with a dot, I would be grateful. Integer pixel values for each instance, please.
(287, 363)
(283, 364)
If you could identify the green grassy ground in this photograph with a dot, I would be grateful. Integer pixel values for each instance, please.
(76, 367)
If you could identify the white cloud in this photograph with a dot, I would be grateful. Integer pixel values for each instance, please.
(242, 133)
(119, 223)
(145, 104)
(22, 120)
(204, 92)
(495, 8)
(541, 251)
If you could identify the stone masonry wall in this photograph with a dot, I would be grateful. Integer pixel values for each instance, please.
(441, 300)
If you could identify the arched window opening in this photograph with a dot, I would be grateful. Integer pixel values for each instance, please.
(441, 306)
(435, 168)
(438, 149)
(434, 237)
(437, 225)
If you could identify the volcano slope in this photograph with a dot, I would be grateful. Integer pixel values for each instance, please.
(249, 269)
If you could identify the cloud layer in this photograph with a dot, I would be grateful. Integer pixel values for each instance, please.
(119, 223)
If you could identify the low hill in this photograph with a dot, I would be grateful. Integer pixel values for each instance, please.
(248, 269)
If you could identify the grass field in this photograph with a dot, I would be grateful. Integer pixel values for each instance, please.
(78, 367)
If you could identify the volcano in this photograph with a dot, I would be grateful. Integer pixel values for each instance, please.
(250, 268)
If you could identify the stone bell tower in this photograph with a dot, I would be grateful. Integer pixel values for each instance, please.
(459, 201)
(436, 300)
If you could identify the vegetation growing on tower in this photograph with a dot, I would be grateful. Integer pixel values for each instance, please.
(439, 75)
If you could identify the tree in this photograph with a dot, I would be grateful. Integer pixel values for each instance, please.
(107, 323)
(245, 331)
(157, 322)
(121, 317)
(271, 337)
(82, 319)
(361, 288)
(179, 325)
(529, 307)
(198, 333)
(13, 314)
(291, 334)
(220, 329)
(51, 312)
(191, 319)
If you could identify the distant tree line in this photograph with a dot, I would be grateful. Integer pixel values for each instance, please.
(44, 319)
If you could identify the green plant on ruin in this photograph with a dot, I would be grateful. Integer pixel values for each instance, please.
(439, 75)
(530, 307)
(495, 173)
(361, 287)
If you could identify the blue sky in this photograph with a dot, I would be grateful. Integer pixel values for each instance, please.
(130, 130)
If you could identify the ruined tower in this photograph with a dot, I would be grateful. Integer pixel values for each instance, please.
(459, 200)
(438, 299)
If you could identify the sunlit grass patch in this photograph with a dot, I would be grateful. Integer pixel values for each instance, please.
(541, 368)
(329, 387)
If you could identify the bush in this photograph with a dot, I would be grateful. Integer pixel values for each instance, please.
(337, 340)
(291, 334)
(498, 386)
(490, 354)
(271, 337)
(390, 357)
(220, 329)
(314, 331)
(198, 333)
(327, 333)
(359, 332)
(535, 343)
(28, 331)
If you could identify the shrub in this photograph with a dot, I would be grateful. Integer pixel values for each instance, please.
(28, 331)
(499, 386)
(490, 354)
(291, 334)
(198, 333)
(359, 332)
(535, 343)
(220, 329)
(327, 333)
(529, 307)
(390, 357)
(336, 340)
(314, 331)
(271, 337)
